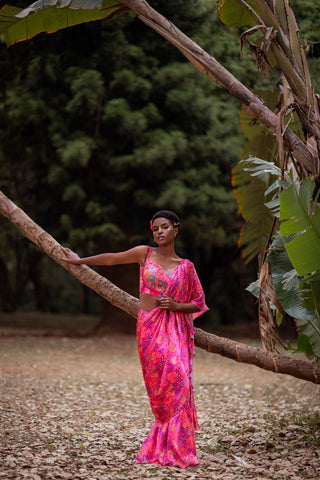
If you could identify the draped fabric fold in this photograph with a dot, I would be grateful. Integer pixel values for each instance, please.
(166, 349)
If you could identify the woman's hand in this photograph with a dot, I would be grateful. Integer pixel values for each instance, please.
(167, 303)
(70, 256)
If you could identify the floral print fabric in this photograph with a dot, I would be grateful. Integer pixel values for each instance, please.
(166, 348)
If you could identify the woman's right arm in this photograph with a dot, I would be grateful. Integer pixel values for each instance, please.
(133, 255)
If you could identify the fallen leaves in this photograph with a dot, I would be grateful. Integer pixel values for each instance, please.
(77, 409)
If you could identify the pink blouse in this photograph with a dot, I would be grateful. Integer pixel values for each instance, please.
(180, 283)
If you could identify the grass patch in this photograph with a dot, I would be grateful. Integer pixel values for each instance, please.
(311, 426)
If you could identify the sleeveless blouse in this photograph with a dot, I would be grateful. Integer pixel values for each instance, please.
(180, 283)
(154, 278)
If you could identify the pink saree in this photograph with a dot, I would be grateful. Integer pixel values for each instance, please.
(166, 348)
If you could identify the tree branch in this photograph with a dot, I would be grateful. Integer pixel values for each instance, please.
(207, 341)
(274, 362)
(209, 66)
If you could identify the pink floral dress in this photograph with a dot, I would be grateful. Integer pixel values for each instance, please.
(166, 348)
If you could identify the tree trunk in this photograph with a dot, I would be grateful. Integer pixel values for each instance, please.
(212, 343)
(209, 66)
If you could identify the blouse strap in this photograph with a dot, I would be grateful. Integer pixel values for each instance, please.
(148, 255)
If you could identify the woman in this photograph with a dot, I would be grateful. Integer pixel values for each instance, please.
(171, 296)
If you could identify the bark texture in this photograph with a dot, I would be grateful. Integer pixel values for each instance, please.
(275, 362)
(207, 341)
(209, 66)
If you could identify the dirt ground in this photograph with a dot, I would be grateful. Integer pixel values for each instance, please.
(77, 409)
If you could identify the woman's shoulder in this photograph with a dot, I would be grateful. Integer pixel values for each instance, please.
(144, 250)
(137, 254)
(187, 263)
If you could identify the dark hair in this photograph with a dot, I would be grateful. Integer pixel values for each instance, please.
(173, 217)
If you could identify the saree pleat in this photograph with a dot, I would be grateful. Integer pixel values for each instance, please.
(165, 345)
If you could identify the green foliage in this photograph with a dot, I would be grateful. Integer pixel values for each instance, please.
(294, 261)
(292, 256)
(311, 426)
(251, 179)
(301, 218)
(290, 291)
(274, 43)
(231, 12)
(49, 16)
(310, 289)
(144, 128)
(261, 143)
(303, 345)
(306, 12)
(87, 87)
(109, 123)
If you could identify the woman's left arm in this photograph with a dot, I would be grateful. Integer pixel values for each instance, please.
(167, 303)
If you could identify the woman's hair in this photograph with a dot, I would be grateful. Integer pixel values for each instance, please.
(173, 217)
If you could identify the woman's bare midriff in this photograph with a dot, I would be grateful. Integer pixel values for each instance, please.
(148, 302)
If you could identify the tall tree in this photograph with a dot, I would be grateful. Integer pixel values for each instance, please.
(121, 119)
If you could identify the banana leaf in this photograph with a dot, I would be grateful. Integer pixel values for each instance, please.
(303, 345)
(301, 218)
(292, 295)
(249, 186)
(49, 16)
(261, 142)
(232, 13)
(311, 295)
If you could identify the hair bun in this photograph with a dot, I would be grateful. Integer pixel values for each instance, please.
(173, 217)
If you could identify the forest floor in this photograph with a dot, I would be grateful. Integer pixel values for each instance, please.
(76, 408)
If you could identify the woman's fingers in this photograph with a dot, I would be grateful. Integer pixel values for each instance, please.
(70, 255)
(166, 303)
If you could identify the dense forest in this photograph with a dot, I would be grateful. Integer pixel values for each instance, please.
(101, 125)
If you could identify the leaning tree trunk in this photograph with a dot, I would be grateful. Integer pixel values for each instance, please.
(209, 342)
(209, 66)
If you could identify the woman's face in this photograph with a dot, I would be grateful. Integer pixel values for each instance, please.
(163, 231)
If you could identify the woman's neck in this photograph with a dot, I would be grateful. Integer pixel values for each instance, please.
(167, 251)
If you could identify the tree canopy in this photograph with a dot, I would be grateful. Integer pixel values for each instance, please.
(103, 124)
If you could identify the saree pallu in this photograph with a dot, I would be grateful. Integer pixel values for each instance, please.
(166, 349)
